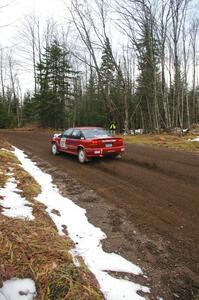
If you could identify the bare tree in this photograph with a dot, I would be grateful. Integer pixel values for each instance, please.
(2, 73)
(178, 14)
(30, 46)
(93, 34)
(139, 23)
(84, 22)
(164, 16)
(194, 33)
(14, 83)
(186, 41)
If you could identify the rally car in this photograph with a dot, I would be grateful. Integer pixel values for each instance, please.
(87, 142)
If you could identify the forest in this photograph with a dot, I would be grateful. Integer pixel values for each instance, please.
(134, 62)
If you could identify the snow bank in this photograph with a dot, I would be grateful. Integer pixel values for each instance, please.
(86, 237)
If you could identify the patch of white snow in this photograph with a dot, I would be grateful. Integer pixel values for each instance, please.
(196, 139)
(18, 289)
(13, 204)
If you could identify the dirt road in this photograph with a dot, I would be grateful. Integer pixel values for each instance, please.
(147, 203)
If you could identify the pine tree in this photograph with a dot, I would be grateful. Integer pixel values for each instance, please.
(107, 69)
(111, 83)
(92, 110)
(148, 81)
(29, 109)
(55, 92)
(4, 120)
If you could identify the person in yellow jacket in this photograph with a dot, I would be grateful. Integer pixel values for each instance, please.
(113, 127)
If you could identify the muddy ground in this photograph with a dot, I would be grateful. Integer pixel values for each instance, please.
(147, 204)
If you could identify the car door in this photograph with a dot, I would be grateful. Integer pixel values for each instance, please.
(74, 140)
(65, 140)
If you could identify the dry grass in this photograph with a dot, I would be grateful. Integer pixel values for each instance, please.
(7, 160)
(165, 140)
(34, 249)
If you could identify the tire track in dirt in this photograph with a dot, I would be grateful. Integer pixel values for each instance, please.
(155, 168)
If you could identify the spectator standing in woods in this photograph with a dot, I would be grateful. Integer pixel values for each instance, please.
(113, 127)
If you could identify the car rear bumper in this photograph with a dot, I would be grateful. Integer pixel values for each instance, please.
(100, 152)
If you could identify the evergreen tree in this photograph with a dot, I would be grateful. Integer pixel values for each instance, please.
(107, 69)
(55, 91)
(112, 83)
(92, 107)
(29, 109)
(117, 94)
(9, 109)
(148, 82)
(4, 120)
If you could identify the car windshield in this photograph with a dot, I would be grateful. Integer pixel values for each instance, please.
(95, 133)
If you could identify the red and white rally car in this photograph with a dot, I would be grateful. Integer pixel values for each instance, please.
(87, 142)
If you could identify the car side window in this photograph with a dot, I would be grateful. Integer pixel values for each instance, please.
(76, 134)
(67, 133)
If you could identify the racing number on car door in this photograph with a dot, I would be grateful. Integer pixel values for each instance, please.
(63, 143)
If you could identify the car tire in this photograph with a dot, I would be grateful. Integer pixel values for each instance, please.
(54, 149)
(82, 156)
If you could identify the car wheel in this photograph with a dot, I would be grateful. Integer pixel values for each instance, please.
(82, 156)
(54, 149)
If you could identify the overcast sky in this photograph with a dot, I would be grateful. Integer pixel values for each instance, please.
(11, 15)
(10, 23)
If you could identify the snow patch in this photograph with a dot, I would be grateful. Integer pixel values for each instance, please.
(18, 289)
(86, 237)
(13, 204)
(196, 139)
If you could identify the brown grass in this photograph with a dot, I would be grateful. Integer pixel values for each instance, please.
(33, 249)
(7, 160)
(165, 140)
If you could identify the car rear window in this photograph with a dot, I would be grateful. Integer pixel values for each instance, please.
(95, 133)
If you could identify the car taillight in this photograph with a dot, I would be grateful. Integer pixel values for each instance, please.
(120, 140)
